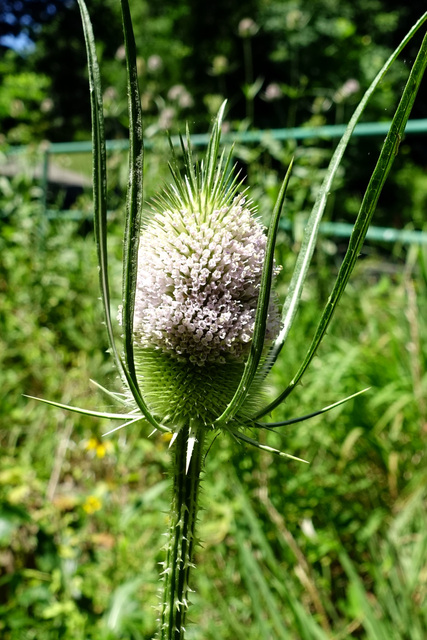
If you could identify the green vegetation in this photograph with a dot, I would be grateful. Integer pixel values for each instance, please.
(293, 64)
(332, 550)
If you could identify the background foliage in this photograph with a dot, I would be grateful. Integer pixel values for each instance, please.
(279, 63)
(335, 549)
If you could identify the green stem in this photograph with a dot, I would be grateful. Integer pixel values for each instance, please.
(180, 549)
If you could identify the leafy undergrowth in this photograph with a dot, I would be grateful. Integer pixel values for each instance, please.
(335, 549)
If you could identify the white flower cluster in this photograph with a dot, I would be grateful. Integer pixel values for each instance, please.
(198, 283)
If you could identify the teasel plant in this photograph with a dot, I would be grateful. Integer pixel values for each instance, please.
(201, 325)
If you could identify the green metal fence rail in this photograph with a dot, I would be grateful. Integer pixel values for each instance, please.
(335, 229)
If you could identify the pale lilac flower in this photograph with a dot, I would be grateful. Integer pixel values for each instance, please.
(185, 100)
(198, 283)
(46, 105)
(121, 53)
(166, 118)
(220, 65)
(349, 87)
(110, 94)
(154, 63)
(178, 93)
(273, 92)
(247, 28)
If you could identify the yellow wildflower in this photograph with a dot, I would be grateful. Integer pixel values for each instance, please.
(92, 504)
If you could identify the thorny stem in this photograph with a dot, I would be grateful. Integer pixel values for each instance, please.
(180, 547)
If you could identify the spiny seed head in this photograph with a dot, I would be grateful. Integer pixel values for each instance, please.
(200, 262)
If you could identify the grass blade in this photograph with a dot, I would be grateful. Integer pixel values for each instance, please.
(273, 580)
(261, 594)
(374, 626)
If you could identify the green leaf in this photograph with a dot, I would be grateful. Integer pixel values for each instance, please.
(133, 201)
(134, 198)
(99, 172)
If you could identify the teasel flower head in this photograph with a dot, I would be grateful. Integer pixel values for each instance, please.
(200, 263)
(199, 282)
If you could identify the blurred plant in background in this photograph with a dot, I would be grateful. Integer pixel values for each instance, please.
(70, 573)
(307, 55)
(66, 572)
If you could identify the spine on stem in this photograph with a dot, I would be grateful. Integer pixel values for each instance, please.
(186, 468)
